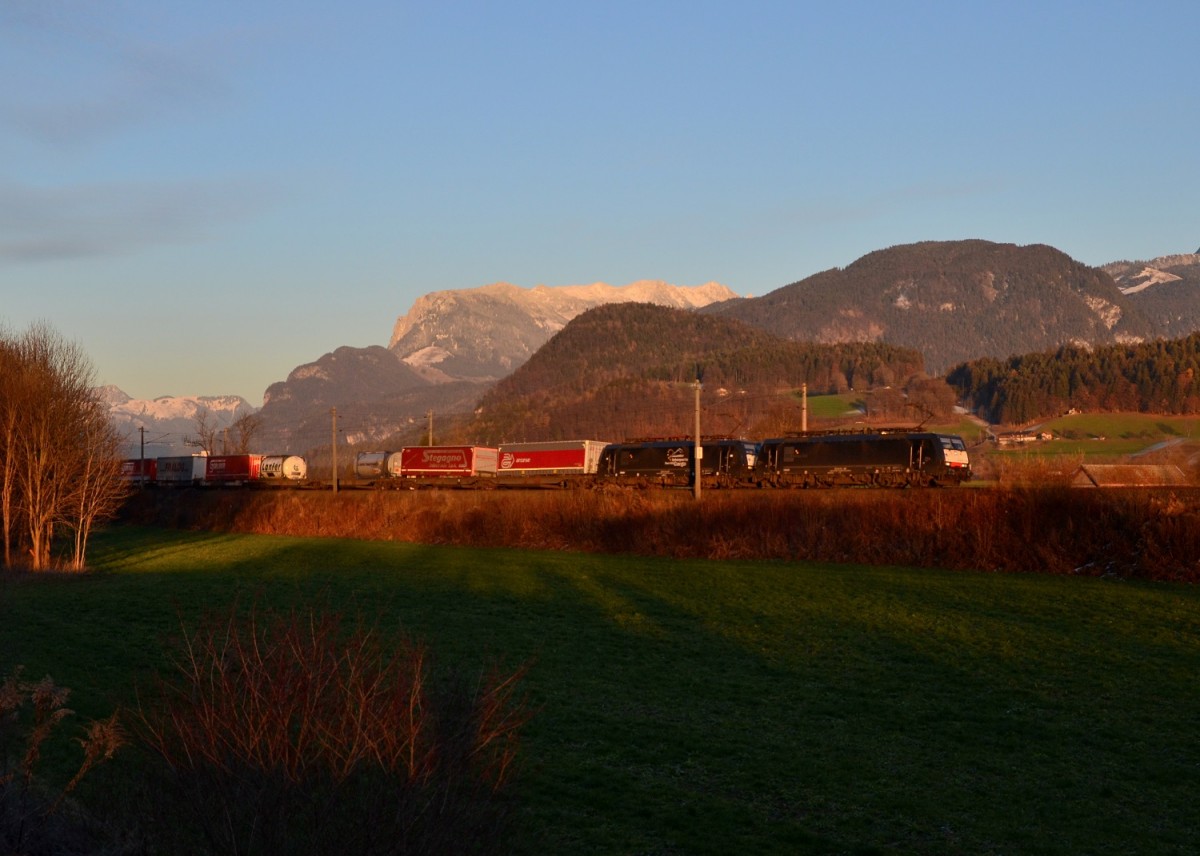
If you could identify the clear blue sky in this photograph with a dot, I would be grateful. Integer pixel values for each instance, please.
(208, 194)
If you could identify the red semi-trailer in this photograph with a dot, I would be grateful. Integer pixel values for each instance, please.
(139, 470)
(418, 462)
(232, 469)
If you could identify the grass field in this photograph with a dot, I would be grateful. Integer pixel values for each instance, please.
(724, 707)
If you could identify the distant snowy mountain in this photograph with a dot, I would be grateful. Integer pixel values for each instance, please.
(168, 420)
(483, 334)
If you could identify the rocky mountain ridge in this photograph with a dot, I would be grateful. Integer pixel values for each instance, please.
(1165, 289)
(483, 334)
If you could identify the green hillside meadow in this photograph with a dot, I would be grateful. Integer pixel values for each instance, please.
(720, 707)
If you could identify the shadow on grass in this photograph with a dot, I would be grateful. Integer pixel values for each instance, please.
(727, 707)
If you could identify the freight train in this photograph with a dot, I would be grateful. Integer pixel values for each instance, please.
(880, 457)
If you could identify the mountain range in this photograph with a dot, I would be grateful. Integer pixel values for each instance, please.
(951, 301)
(169, 420)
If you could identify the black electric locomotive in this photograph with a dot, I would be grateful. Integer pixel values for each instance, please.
(869, 457)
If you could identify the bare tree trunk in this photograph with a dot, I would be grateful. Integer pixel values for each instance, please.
(10, 384)
(98, 489)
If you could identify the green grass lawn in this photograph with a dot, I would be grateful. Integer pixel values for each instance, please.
(833, 406)
(726, 707)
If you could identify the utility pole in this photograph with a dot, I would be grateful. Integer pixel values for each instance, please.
(142, 459)
(804, 407)
(698, 451)
(333, 446)
(429, 413)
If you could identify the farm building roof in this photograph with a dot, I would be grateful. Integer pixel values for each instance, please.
(1128, 475)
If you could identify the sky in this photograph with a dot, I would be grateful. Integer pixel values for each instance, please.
(205, 195)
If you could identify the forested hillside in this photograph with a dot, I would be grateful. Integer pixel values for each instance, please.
(626, 369)
(1157, 377)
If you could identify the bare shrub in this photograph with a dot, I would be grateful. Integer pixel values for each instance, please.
(289, 734)
(35, 818)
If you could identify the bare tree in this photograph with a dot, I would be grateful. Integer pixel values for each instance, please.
(245, 429)
(205, 438)
(11, 385)
(60, 452)
(97, 490)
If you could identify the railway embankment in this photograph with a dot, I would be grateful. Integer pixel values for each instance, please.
(1151, 534)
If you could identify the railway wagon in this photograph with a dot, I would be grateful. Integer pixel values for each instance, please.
(443, 462)
(287, 468)
(724, 462)
(556, 463)
(180, 470)
(232, 469)
(879, 458)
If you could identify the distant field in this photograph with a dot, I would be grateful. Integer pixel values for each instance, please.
(1112, 436)
(834, 406)
(726, 707)
(1113, 425)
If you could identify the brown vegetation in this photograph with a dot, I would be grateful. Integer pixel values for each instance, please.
(282, 733)
(1141, 533)
(35, 819)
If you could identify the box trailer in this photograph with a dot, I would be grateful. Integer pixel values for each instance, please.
(421, 462)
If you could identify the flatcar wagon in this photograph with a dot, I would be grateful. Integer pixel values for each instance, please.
(877, 457)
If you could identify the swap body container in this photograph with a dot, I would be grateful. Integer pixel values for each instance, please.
(180, 470)
(558, 457)
(232, 469)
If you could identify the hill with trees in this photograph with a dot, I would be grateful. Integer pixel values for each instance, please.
(953, 301)
(1162, 376)
(626, 370)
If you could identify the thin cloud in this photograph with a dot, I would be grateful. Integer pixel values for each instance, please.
(39, 224)
(86, 78)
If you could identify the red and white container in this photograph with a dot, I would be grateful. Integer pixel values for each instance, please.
(557, 457)
(139, 470)
(232, 469)
(443, 462)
